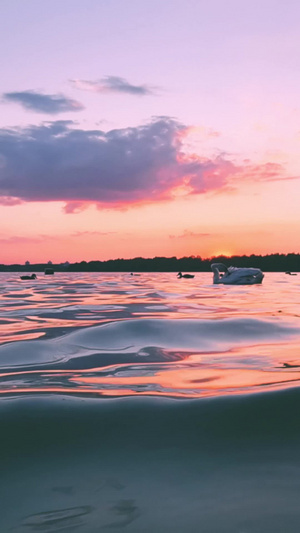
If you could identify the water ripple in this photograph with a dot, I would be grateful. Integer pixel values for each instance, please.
(108, 334)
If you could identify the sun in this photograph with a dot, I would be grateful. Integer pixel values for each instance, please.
(222, 253)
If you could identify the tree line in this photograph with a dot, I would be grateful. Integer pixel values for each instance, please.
(267, 263)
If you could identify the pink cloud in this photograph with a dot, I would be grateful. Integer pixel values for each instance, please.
(10, 200)
(114, 169)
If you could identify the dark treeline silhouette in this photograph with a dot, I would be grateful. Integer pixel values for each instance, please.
(267, 263)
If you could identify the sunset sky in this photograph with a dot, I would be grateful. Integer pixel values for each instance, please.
(148, 128)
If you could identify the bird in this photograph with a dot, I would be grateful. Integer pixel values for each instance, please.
(33, 276)
(236, 276)
(180, 275)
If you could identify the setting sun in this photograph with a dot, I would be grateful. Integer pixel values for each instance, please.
(222, 253)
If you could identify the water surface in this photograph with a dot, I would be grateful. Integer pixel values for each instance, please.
(149, 404)
(120, 335)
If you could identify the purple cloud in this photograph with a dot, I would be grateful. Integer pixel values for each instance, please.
(51, 104)
(121, 167)
(113, 84)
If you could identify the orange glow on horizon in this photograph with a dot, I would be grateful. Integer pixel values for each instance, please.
(219, 253)
(241, 223)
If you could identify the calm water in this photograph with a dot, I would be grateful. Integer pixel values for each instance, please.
(149, 404)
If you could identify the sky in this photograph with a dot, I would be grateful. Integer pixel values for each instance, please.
(143, 128)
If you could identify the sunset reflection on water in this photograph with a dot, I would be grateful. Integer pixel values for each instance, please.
(162, 345)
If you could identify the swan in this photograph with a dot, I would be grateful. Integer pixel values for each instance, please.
(33, 276)
(180, 275)
(236, 276)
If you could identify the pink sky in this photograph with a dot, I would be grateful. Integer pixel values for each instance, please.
(149, 128)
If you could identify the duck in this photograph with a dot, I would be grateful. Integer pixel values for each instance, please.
(33, 276)
(180, 275)
(236, 276)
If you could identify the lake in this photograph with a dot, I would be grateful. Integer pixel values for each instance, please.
(148, 403)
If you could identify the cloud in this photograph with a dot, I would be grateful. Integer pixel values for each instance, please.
(17, 240)
(93, 233)
(9, 201)
(190, 234)
(51, 104)
(266, 171)
(117, 168)
(113, 84)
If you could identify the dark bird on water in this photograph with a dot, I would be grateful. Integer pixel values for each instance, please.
(180, 275)
(33, 276)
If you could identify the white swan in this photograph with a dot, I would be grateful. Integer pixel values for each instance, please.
(236, 276)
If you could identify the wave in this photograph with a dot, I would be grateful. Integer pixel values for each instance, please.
(168, 357)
